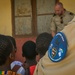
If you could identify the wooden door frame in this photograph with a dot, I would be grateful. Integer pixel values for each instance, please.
(34, 19)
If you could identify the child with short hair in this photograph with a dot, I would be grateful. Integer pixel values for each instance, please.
(42, 43)
(29, 52)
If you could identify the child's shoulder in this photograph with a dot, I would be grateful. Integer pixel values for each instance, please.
(16, 66)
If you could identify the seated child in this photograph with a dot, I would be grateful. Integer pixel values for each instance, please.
(29, 52)
(6, 49)
(15, 66)
(42, 43)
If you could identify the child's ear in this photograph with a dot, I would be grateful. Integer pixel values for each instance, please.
(12, 56)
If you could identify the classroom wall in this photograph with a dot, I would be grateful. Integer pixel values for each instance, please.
(69, 5)
(5, 17)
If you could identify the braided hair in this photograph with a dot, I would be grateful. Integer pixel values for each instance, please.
(5, 49)
(12, 39)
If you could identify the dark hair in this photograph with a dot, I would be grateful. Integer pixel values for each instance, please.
(12, 39)
(5, 49)
(42, 43)
(29, 50)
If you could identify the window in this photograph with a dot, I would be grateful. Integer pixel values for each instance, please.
(31, 17)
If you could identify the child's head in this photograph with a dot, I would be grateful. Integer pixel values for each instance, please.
(29, 50)
(42, 43)
(6, 48)
(12, 39)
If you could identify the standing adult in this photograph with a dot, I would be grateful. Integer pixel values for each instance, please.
(60, 18)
